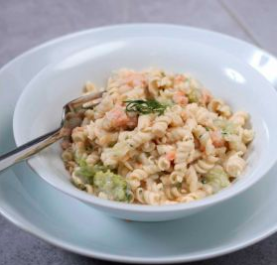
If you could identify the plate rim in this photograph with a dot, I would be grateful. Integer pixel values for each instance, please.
(34, 230)
(94, 201)
(114, 26)
(133, 260)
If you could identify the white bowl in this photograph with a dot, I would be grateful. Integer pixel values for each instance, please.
(39, 109)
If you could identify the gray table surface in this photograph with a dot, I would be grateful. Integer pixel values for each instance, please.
(27, 23)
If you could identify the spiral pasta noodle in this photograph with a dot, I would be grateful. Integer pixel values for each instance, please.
(205, 164)
(160, 125)
(156, 138)
(235, 165)
(147, 197)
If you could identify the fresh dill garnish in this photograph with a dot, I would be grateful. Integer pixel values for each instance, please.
(145, 106)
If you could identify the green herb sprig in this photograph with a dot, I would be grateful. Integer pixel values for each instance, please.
(145, 106)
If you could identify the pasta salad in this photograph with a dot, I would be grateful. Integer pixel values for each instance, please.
(156, 138)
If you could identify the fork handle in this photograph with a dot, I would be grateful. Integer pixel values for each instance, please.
(27, 150)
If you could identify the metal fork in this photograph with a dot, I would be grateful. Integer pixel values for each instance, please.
(33, 147)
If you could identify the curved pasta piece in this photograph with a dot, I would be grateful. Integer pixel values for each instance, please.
(111, 156)
(152, 185)
(79, 134)
(247, 136)
(193, 196)
(151, 169)
(136, 93)
(240, 118)
(202, 166)
(163, 149)
(192, 179)
(92, 158)
(148, 147)
(89, 188)
(204, 139)
(163, 163)
(77, 181)
(160, 125)
(122, 170)
(218, 106)
(124, 135)
(104, 106)
(103, 137)
(147, 197)
(177, 176)
(176, 119)
(173, 192)
(139, 174)
(139, 138)
(177, 134)
(90, 131)
(79, 150)
(144, 121)
(190, 124)
(235, 165)
(237, 146)
(204, 117)
(67, 155)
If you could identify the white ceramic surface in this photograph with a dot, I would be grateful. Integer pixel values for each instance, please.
(38, 208)
(226, 76)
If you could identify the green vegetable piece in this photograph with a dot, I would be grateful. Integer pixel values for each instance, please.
(217, 178)
(85, 170)
(145, 106)
(88, 171)
(115, 186)
(194, 95)
(81, 161)
(227, 127)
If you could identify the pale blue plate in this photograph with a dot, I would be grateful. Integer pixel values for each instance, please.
(36, 207)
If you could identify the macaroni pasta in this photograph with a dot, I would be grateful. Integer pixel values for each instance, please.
(156, 138)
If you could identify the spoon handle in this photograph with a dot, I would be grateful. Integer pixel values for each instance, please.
(27, 150)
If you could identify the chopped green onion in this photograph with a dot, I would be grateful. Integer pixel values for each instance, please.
(145, 106)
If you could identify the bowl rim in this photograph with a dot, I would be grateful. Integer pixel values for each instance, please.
(94, 200)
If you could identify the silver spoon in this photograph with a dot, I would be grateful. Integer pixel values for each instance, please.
(68, 123)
